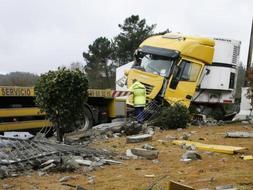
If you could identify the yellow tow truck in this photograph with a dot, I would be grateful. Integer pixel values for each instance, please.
(19, 112)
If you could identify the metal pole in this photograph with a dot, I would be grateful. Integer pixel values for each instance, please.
(250, 47)
(249, 55)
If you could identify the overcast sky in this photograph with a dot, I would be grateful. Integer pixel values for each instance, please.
(39, 35)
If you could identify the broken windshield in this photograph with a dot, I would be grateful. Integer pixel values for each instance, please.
(157, 64)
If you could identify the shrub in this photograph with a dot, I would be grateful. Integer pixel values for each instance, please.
(172, 117)
(61, 95)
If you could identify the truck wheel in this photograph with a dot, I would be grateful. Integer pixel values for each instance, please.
(88, 120)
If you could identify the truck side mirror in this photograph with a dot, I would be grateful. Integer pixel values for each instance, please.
(175, 78)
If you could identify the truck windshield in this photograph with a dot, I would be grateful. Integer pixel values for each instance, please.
(157, 64)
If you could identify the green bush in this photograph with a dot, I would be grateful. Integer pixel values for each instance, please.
(61, 95)
(172, 117)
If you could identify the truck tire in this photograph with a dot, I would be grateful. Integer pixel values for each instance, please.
(88, 120)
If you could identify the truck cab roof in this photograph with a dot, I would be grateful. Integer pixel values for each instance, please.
(195, 47)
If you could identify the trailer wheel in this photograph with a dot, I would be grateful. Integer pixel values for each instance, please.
(88, 120)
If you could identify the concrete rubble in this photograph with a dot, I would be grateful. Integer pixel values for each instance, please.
(149, 154)
(138, 138)
(191, 155)
(21, 155)
(239, 134)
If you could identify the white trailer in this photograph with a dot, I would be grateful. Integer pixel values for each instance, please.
(219, 81)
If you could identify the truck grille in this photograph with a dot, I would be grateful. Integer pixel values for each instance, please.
(149, 88)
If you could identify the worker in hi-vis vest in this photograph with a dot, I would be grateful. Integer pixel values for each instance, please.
(139, 99)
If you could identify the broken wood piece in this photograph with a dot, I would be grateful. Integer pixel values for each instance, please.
(111, 161)
(150, 176)
(210, 147)
(149, 154)
(83, 162)
(47, 162)
(65, 178)
(138, 138)
(239, 134)
(247, 157)
(178, 186)
(52, 165)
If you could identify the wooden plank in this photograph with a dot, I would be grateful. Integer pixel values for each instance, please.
(178, 186)
(210, 147)
(20, 112)
(18, 125)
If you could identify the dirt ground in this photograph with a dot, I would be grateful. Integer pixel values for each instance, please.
(215, 169)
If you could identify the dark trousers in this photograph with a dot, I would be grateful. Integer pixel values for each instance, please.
(139, 113)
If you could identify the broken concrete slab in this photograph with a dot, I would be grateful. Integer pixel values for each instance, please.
(148, 147)
(139, 138)
(107, 161)
(239, 134)
(130, 154)
(149, 154)
(115, 127)
(226, 187)
(83, 162)
(132, 128)
(192, 155)
(210, 147)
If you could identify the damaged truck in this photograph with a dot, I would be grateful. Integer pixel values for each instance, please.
(198, 72)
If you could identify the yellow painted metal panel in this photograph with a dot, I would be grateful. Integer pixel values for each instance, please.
(152, 82)
(18, 125)
(111, 109)
(100, 93)
(19, 112)
(210, 147)
(12, 91)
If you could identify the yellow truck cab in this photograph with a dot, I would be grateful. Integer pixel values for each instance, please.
(170, 66)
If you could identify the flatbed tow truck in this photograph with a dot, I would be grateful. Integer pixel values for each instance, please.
(19, 112)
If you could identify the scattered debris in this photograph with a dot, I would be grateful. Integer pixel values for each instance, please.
(191, 155)
(149, 154)
(65, 178)
(239, 134)
(178, 186)
(247, 157)
(209, 147)
(130, 154)
(150, 176)
(115, 127)
(50, 166)
(138, 138)
(23, 154)
(80, 188)
(84, 162)
(226, 187)
(148, 147)
(91, 179)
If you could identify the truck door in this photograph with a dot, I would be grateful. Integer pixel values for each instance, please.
(182, 85)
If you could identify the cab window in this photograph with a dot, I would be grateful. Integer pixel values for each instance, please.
(190, 71)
